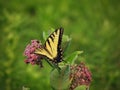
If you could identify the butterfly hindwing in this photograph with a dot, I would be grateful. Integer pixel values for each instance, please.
(52, 47)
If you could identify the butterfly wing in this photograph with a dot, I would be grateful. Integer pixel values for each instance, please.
(52, 47)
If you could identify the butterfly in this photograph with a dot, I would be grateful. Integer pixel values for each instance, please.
(52, 48)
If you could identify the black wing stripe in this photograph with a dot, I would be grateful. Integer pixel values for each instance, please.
(52, 38)
(47, 50)
(49, 45)
(59, 56)
(59, 50)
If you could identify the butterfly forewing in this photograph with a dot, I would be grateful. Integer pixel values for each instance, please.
(43, 52)
(52, 47)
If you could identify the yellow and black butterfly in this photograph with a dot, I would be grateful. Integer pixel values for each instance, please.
(52, 47)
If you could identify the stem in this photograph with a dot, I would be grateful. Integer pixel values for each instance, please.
(53, 65)
(87, 88)
(49, 63)
(57, 67)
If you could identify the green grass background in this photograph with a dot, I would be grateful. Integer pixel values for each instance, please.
(93, 25)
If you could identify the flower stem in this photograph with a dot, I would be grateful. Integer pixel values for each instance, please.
(87, 88)
(53, 65)
(49, 63)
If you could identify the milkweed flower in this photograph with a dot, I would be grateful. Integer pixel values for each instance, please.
(80, 75)
(31, 56)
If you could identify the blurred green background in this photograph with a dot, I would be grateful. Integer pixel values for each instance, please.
(93, 25)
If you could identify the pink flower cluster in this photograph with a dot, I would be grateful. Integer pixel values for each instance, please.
(80, 75)
(29, 52)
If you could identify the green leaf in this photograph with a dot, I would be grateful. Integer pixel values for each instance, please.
(25, 88)
(72, 57)
(60, 80)
(83, 87)
(44, 36)
(66, 38)
(52, 29)
(66, 43)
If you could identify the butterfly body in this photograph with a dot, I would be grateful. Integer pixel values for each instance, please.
(52, 47)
